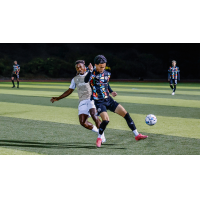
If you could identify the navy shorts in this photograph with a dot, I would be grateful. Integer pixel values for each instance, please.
(103, 105)
(173, 81)
(15, 75)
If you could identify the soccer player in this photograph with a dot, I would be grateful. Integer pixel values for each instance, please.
(86, 106)
(15, 73)
(99, 81)
(173, 76)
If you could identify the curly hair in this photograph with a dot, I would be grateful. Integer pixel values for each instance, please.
(80, 61)
(100, 59)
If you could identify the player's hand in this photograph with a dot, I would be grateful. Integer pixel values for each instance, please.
(168, 79)
(114, 94)
(54, 99)
(90, 67)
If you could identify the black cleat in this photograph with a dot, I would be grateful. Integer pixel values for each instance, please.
(18, 86)
(13, 86)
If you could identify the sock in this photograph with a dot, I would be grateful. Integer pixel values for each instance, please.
(102, 127)
(95, 129)
(171, 86)
(135, 132)
(13, 83)
(130, 123)
(17, 83)
(174, 88)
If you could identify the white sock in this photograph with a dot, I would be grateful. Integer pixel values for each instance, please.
(95, 129)
(135, 132)
(101, 136)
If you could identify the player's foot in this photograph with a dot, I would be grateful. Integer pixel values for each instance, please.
(17, 86)
(13, 86)
(103, 139)
(140, 137)
(173, 93)
(98, 142)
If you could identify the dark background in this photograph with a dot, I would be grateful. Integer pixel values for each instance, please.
(127, 61)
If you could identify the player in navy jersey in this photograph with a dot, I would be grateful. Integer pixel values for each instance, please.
(15, 73)
(99, 81)
(173, 76)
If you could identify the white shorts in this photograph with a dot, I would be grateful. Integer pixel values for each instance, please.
(85, 106)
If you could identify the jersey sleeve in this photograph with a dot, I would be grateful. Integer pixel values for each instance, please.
(88, 77)
(73, 84)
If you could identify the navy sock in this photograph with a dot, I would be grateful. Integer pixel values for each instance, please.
(102, 127)
(171, 87)
(130, 122)
(13, 83)
(174, 88)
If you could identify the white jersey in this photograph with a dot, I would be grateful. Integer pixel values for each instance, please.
(84, 89)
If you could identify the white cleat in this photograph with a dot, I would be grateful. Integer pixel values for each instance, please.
(173, 93)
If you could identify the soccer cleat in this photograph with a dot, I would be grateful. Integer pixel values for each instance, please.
(17, 86)
(103, 138)
(13, 86)
(98, 142)
(140, 137)
(173, 93)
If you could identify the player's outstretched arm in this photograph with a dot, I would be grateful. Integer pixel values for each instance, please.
(65, 94)
(114, 94)
(87, 77)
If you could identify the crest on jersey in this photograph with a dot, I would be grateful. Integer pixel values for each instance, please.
(106, 78)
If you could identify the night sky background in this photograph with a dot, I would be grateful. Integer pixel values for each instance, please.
(127, 61)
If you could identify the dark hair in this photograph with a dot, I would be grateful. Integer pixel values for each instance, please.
(100, 59)
(80, 61)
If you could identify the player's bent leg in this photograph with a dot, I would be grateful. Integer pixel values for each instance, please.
(97, 122)
(104, 123)
(121, 111)
(83, 121)
(95, 117)
(12, 79)
(171, 86)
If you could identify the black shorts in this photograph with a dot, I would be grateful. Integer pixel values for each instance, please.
(173, 81)
(15, 75)
(103, 105)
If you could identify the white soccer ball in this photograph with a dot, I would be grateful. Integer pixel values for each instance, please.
(150, 120)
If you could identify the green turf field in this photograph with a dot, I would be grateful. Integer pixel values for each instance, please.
(31, 125)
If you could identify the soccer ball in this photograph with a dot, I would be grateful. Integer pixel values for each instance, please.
(150, 120)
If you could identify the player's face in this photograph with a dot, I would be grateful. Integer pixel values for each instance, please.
(15, 62)
(173, 64)
(80, 68)
(100, 67)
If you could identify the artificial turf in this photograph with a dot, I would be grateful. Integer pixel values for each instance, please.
(30, 124)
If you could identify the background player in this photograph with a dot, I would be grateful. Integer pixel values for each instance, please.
(15, 73)
(173, 76)
(99, 79)
(86, 106)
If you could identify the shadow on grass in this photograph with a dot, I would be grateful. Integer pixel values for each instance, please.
(15, 143)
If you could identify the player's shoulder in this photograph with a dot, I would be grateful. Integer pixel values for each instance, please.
(107, 73)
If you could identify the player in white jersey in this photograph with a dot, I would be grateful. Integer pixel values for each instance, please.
(86, 106)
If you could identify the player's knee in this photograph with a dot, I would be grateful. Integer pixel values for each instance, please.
(83, 123)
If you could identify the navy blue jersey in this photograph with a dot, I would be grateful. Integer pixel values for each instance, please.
(16, 69)
(174, 73)
(99, 83)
